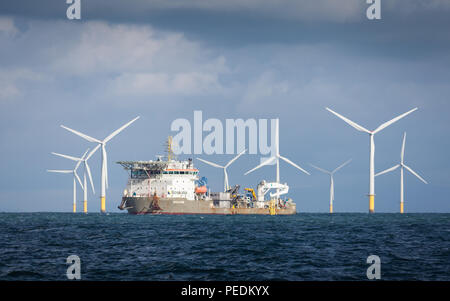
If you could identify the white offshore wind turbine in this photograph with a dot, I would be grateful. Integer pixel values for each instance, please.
(102, 144)
(225, 174)
(75, 176)
(372, 150)
(331, 173)
(87, 170)
(277, 158)
(402, 166)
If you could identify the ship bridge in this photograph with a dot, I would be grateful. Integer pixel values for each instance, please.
(144, 169)
(144, 165)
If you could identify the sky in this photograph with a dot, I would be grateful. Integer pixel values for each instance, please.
(163, 60)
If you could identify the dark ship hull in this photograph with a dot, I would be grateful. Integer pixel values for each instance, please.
(156, 205)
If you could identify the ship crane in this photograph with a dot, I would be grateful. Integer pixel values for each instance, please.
(264, 187)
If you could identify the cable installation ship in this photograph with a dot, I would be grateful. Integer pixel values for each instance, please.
(172, 186)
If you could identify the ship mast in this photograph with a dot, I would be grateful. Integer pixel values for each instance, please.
(169, 150)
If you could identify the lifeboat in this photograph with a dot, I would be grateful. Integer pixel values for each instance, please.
(200, 189)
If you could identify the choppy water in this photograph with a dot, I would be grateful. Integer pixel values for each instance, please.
(34, 246)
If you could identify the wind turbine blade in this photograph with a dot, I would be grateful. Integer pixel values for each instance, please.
(267, 162)
(293, 164)
(82, 158)
(386, 124)
(67, 156)
(341, 166)
(84, 136)
(119, 130)
(78, 179)
(77, 165)
(88, 169)
(414, 173)
(402, 154)
(387, 170)
(320, 169)
(210, 163)
(353, 124)
(59, 171)
(92, 152)
(235, 158)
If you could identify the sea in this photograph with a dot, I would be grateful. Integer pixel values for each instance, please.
(305, 246)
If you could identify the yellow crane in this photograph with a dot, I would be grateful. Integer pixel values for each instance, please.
(252, 191)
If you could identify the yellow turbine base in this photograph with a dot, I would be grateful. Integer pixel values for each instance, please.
(371, 203)
(85, 206)
(272, 207)
(331, 208)
(103, 205)
(74, 208)
(401, 207)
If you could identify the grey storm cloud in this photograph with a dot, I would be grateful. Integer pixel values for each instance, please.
(303, 10)
(237, 23)
(145, 62)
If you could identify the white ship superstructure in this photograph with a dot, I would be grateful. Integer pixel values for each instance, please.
(164, 179)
